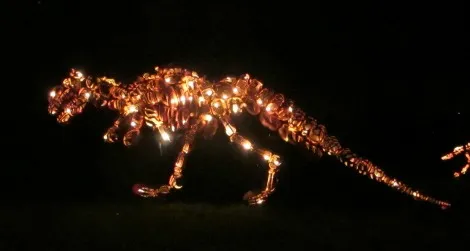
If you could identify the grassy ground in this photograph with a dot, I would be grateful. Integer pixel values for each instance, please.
(156, 226)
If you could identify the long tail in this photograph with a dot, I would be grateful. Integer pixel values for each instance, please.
(363, 166)
(316, 138)
(279, 114)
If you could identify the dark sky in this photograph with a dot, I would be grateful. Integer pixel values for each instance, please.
(388, 80)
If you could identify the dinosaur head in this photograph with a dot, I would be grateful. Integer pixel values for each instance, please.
(69, 98)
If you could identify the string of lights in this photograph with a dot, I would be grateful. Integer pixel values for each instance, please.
(175, 99)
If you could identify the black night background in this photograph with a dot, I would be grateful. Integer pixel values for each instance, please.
(387, 79)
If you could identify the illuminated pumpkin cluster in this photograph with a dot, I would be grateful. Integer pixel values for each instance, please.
(176, 99)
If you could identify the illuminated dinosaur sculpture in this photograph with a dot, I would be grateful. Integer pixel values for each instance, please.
(175, 99)
(464, 149)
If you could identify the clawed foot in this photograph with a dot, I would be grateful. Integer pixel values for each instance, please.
(255, 198)
(147, 192)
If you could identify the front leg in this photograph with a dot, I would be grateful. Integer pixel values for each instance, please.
(189, 136)
(273, 161)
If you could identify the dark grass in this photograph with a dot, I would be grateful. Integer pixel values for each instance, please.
(151, 225)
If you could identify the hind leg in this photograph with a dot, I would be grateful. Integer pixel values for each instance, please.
(273, 160)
